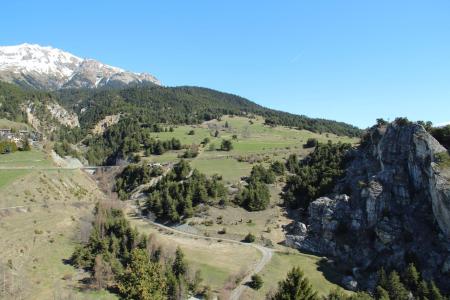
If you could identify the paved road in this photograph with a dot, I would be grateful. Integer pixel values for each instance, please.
(265, 259)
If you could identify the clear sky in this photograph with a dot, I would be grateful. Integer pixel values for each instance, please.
(351, 61)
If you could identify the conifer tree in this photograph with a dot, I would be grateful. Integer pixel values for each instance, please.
(396, 289)
(435, 293)
(295, 287)
(179, 266)
(142, 279)
(411, 278)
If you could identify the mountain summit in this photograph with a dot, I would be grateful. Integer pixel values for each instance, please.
(50, 68)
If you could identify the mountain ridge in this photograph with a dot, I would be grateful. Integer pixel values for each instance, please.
(45, 67)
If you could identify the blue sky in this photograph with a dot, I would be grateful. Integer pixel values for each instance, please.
(351, 61)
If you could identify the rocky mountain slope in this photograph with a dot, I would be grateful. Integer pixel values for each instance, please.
(391, 208)
(49, 68)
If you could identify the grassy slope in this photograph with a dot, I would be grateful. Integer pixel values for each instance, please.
(40, 236)
(253, 140)
(281, 263)
(259, 141)
(32, 159)
(4, 123)
(64, 192)
(218, 261)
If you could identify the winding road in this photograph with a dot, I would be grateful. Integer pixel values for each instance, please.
(240, 288)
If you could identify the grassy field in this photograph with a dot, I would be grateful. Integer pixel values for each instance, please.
(8, 176)
(230, 169)
(253, 142)
(31, 159)
(220, 262)
(39, 235)
(280, 265)
(238, 222)
(7, 124)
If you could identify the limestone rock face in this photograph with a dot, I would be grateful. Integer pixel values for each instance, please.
(391, 208)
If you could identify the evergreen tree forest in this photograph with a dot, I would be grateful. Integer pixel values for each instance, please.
(177, 194)
(255, 195)
(130, 264)
(133, 176)
(154, 105)
(315, 175)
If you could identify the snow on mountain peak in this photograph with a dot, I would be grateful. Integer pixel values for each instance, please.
(48, 67)
(35, 58)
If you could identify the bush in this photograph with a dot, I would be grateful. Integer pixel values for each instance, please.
(443, 159)
(190, 152)
(402, 121)
(226, 145)
(311, 143)
(261, 174)
(249, 238)
(256, 282)
(278, 168)
(7, 147)
(442, 134)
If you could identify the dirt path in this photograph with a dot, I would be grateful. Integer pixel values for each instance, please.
(266, 257)
(239, 289)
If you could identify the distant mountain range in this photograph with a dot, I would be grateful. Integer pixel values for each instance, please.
(41, 67)
(56, 87)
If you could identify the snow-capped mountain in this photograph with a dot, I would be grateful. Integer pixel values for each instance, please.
(49, 68)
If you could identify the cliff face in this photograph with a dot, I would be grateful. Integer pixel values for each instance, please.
(392, 207)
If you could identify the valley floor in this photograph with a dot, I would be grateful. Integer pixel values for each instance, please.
(45, 211)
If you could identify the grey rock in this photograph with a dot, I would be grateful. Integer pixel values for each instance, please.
(446, 266)
(350, 283)
(397, 206)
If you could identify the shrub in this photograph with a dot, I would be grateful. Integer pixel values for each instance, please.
(256, 282)
(443, 159)
(311, 143)
(249, 238)
(278, 167)
(226, 145)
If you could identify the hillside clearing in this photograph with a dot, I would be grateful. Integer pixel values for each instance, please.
(317, 272)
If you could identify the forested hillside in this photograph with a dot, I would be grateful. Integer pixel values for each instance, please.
(183, 105)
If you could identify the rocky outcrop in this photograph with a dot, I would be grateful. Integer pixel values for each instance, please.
(106, 122)
(392, 207)
(63, 116)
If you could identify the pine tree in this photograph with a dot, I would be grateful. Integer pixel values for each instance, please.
(411, 278)
(295, 287)
(179, 266)
(422, 291)
(396, 289)
(435, 293)
(336, 294)
(382, 278)
(142, 279)
(381, 293)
